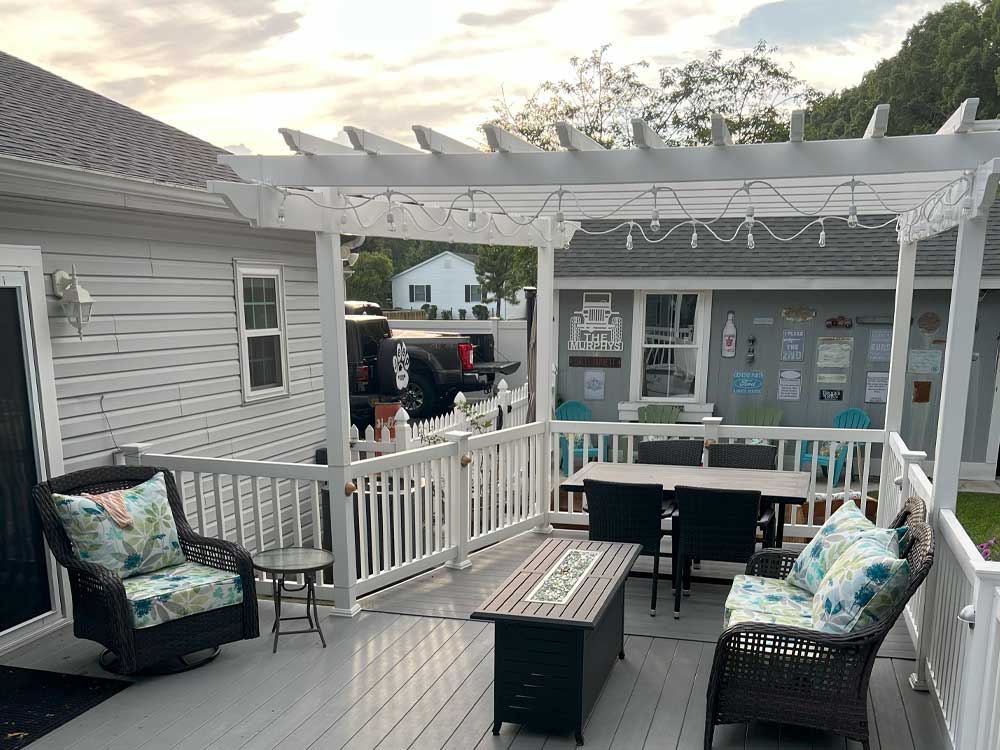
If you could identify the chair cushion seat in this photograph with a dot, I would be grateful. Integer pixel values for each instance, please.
(742, 615)
(769, 597)
(178, 591)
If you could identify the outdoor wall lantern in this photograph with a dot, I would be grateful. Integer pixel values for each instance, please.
(76, 301)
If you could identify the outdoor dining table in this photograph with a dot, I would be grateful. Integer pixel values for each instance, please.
(780, 487)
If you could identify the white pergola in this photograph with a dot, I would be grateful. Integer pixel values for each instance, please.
(518, 195)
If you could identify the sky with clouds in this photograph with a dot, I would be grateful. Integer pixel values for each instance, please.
(233, 71)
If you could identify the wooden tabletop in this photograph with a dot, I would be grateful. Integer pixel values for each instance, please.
(790, 487)
(587, 602)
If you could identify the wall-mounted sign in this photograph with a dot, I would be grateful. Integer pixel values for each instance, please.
(929, 323)
(793, 345)
(748, 382)
(593, 385)
(876, 387)
(611, 363)
(763, 321)
(789, 385)
(831, 394)
(925, 361)
(834, 351)
(879, 344)
(798, 314)
(873, 320)
(595, 327)
(921, 391)
(831, 378)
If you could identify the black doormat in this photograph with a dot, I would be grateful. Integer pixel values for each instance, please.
(33, 703)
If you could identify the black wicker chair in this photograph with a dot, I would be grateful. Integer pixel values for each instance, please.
(913, 511)
(800, 676)
(744, 456)
(100, 609)
(711, 524)
(671, 452)
(629, 513)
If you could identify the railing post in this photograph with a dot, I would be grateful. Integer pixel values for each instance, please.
(460, 420)
(503, 403)
(131, 453)
(402, 430)
(711, 426)
(974, 674)
(459, 499)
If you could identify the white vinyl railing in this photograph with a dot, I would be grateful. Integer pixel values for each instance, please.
(799, 449)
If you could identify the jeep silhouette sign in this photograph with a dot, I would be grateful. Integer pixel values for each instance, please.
(596, 327)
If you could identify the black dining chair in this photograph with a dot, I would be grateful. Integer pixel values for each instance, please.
(671, 452)
(711, 524)
(628, 513)
(744, 456)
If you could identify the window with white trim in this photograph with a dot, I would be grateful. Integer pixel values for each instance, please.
(473, 293)
(260, 296)
(420, 292)
(671, 338)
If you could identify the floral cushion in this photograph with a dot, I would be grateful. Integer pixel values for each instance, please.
(150, 543)
(179, 591)
(770, 596)
(834, 537)
(743, 615)
(865, 582)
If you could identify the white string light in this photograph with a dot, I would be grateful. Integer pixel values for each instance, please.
(822, 234)
(628, 238)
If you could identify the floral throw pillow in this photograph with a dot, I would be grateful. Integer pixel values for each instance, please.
(865, 583)
(834, 537)
(149, 544)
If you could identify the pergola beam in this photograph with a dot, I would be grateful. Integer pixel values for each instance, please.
(797, 126)
(720, 131)
(572, 139)
(504, 142)
(814, 159)
(644, 136)
(438, 143)
(375, 145)
(311, 145)
(878, 123)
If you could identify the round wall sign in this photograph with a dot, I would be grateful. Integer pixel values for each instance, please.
(929, 323)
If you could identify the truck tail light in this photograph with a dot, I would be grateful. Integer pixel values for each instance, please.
(363, 373)
(465, 354)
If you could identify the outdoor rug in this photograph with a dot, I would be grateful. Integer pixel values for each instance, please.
(33, 703)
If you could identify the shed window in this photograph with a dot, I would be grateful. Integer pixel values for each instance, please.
(671, 345)
(263, 349)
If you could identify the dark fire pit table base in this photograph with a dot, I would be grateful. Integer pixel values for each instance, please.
(559, 628)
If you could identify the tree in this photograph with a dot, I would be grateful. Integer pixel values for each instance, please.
(752, 91)
(946, 57)
(370, 279)
(497, 273)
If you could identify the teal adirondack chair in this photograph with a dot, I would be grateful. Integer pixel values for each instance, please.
(575, 411)
(849, 419)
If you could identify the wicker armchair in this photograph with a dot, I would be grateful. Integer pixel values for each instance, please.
(100, 609)
(743, 456)
(801, 676)
(671, 452)
(628, 513)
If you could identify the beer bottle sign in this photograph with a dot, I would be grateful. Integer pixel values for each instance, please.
(729, 336)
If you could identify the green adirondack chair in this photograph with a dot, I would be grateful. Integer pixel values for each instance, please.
(761, 416)
(660, 413)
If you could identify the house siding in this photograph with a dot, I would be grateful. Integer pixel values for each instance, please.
(447, 276)
(159, 360)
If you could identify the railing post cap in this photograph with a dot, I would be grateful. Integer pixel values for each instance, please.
(455, 435)
(135, 449)
(402, 415)
(711, 420)
(460, 398)
(502, 385)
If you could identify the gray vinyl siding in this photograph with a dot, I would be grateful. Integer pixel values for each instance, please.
(162, 346)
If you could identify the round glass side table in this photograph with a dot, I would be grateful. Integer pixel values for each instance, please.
(288, 562)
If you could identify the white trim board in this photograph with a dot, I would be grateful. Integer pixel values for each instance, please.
(428, 260)
(701, 283)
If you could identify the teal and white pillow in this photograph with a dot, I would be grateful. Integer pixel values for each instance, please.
(834, 537)
(149, 544)
(863, 585)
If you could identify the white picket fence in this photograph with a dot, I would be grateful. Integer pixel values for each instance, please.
(480, 417)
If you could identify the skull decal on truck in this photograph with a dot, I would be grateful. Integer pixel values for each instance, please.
(401, 366)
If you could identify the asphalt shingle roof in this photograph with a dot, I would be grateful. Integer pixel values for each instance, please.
(46, 118)
(848, 252)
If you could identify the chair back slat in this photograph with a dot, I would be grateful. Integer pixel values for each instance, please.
(852, 419)
(742, 456)
(623, 512)
(671, 452)
(718, 524)
(574, 411)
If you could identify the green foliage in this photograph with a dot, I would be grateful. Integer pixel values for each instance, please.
(480, 312)
(462, 313)
(370, 280)
(753, 91)
(499, 275)
(447, 314)
(979, 513)
(946, 57)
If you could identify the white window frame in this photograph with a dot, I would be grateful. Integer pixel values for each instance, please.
(426, 290)
(703, 331)
(479, 288)
(254, 269)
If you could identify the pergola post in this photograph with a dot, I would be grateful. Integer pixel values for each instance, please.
(332, 294)
(544, 359)
(902, 312)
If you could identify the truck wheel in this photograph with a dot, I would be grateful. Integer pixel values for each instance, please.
(419, 397)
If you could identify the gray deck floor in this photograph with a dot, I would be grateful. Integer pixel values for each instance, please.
(397, 681)
(457, 593)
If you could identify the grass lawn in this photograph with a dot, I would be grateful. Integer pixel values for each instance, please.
(979, 513)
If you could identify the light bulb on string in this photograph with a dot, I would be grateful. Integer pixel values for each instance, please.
(822, 234)
(750, 243)
(750, 221)
(472, 220)
(281, 209)
(628, 239)
(852, 216)
(694, 237)
(390, 219)
(654, 224)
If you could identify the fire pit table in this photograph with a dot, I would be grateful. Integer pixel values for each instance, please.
(559, 624)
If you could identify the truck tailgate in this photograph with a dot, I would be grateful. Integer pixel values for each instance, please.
(495, 368)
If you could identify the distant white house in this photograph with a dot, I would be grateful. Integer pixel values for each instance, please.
(447, 280)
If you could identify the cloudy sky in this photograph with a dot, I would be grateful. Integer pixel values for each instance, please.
(233, 71)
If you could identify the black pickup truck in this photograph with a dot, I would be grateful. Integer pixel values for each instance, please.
(437, 366)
